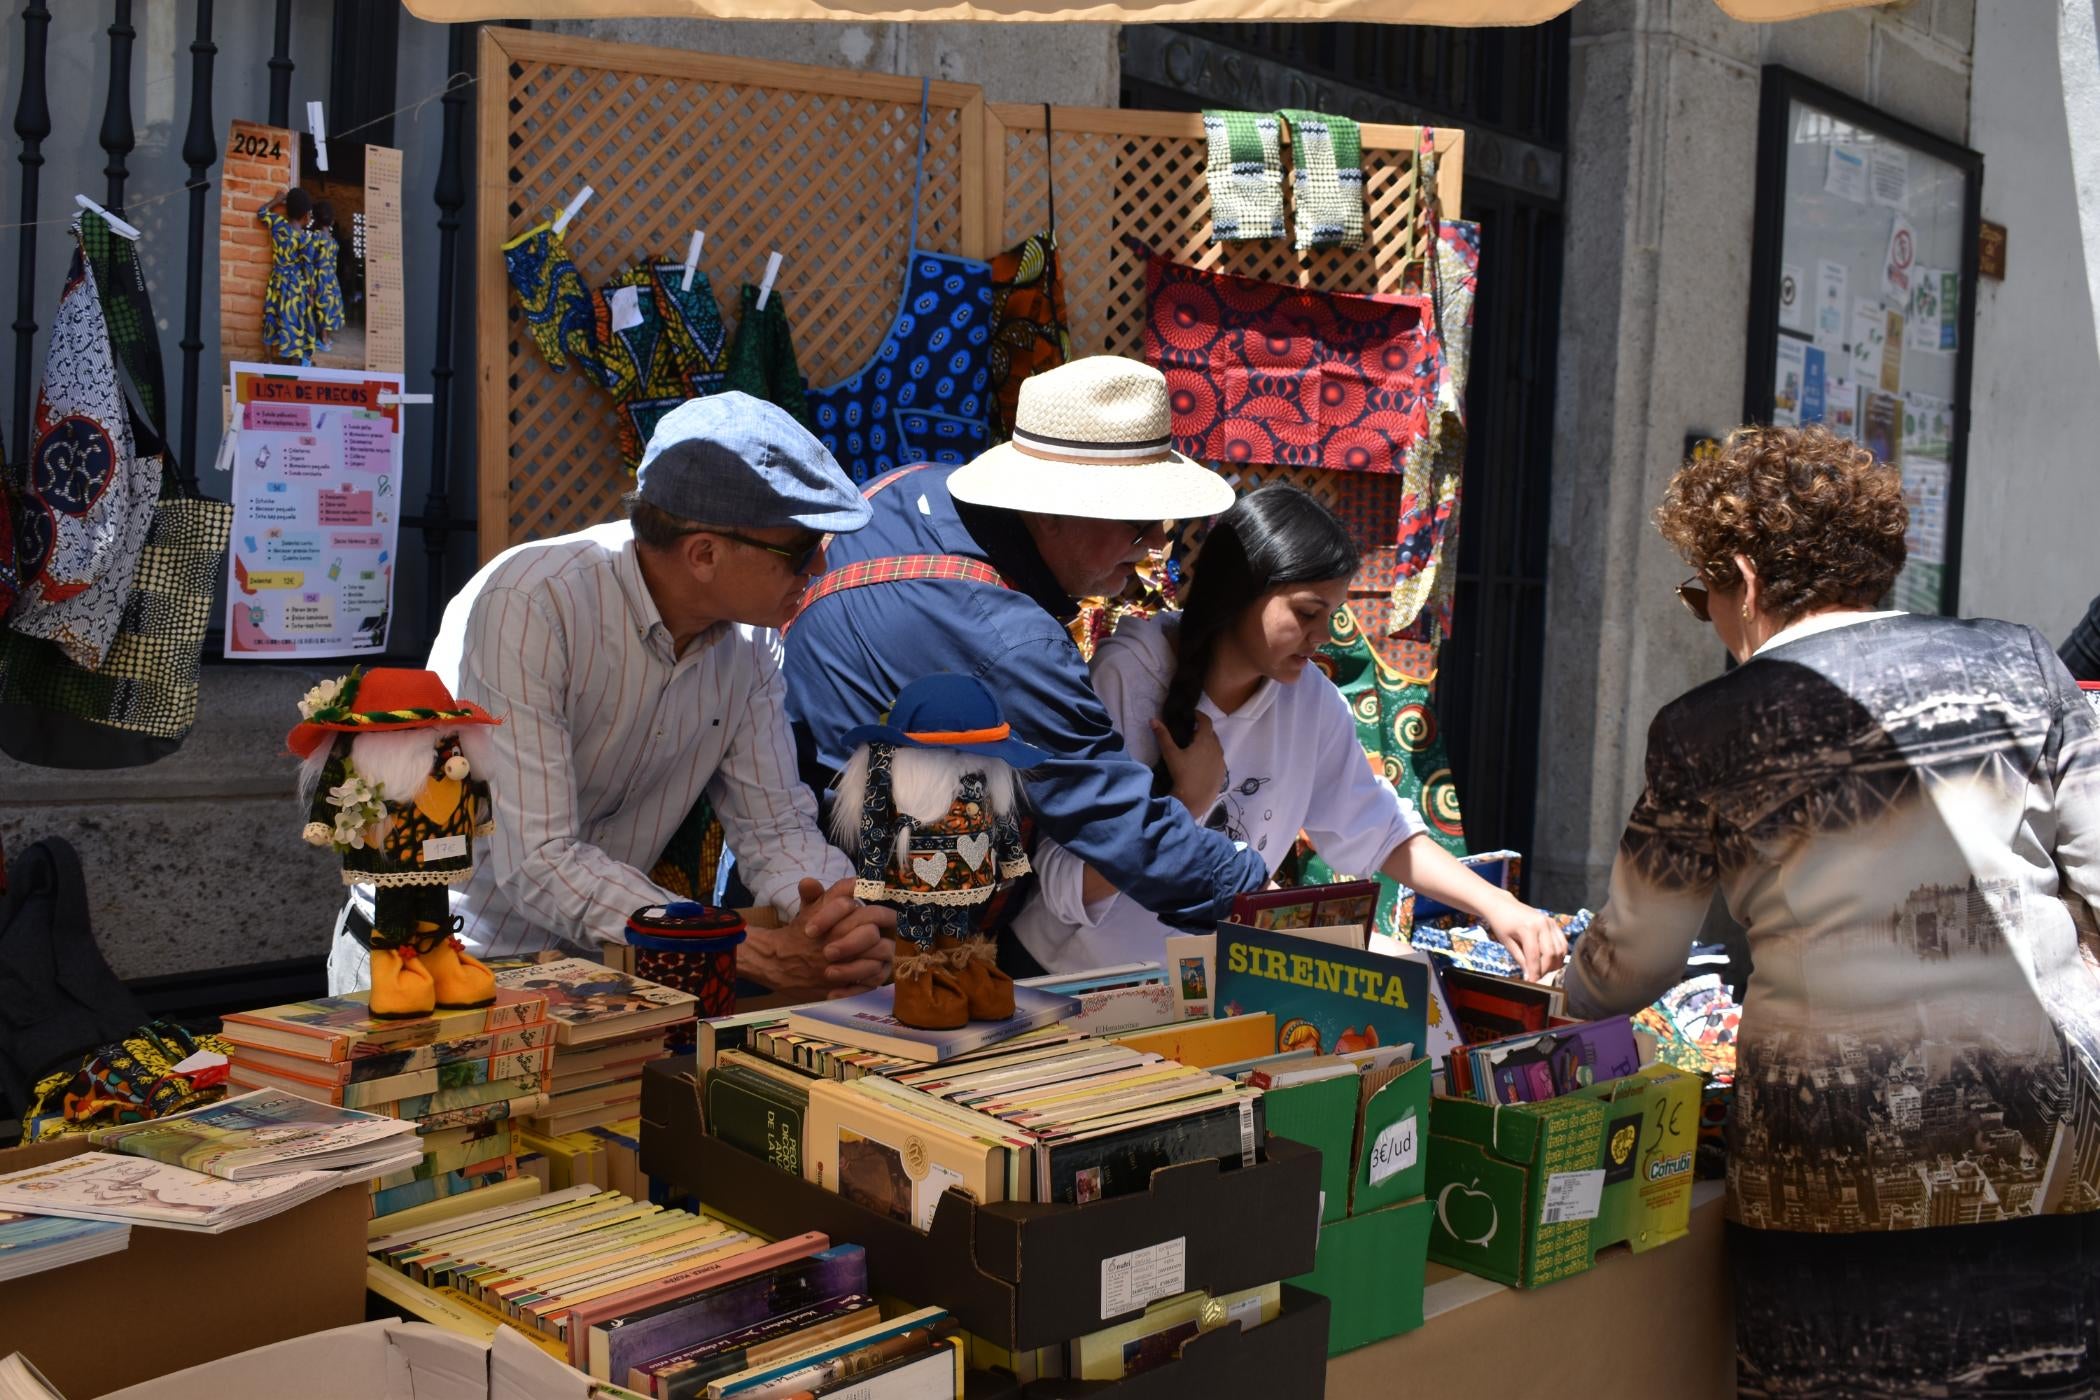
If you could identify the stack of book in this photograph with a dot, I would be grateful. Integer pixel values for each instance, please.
(30, 1244)
(1540, 1065)
(607, 1025)
(464, 1078)
(214, 1168)
(671, 1304)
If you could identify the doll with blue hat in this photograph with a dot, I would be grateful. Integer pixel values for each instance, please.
(929, 804)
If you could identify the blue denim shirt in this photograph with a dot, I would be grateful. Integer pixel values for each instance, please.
(850, 653)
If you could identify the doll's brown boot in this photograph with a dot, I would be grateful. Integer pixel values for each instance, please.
(460, 979)
(401, 985)
(976, 965)
(928, 996)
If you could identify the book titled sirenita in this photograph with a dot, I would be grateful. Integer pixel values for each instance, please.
(1326, 999)
(866, 1021)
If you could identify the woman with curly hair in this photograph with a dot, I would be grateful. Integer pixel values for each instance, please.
(1904, 813)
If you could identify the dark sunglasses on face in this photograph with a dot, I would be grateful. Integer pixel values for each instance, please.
(798, 555)
(1692, 593)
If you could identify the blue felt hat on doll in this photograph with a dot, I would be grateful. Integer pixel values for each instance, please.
(948, 711)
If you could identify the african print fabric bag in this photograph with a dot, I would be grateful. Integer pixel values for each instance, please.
(139, 703)
(1262, 372)
(1327, 180)
(85, 495)
(762, 357)
(551, 293)
(659, 345)
(1029, 327)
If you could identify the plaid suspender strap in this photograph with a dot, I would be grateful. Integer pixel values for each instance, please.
(898, 568)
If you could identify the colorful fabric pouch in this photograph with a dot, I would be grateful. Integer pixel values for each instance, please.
(1245, 172)
(1327, 180)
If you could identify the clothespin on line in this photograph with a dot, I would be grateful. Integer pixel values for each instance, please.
(410, 399)
(765, 287)
(561, 220)
(318, 129)
(116, 225)
(692, 260)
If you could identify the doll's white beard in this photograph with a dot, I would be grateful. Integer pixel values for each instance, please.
(923, 783)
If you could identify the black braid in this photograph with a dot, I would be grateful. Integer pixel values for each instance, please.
(1272, 536)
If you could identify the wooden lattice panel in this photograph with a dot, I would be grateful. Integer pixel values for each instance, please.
(1141, 174)
(814, 162)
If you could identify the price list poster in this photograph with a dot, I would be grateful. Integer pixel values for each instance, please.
(316, 494)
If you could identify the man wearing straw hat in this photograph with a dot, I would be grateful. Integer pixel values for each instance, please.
(635, 668)
(977, 569)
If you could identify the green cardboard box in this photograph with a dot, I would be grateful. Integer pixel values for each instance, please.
(1528, 1193)
(1370, 1268)
(1392, 1135)
(1321, 1114)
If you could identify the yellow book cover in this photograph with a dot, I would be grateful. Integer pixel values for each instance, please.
(1207, 1043)
(522, 1188)
(873, 1153)
(1156, 1338)
(560, 1256)
(597, 1256)
(483, 1245)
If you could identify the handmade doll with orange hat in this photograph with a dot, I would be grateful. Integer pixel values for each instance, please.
(390, 781)
(930, 804)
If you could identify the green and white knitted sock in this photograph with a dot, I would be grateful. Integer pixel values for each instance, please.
(1245, 170)
(1327, 180)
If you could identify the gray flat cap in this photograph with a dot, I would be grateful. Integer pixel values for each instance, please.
(730, 459)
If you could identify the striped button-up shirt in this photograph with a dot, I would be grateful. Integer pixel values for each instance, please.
(608, 738)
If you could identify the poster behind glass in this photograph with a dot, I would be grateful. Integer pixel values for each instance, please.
(1875, 238)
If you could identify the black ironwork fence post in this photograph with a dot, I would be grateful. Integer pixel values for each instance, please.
(118, 137)
(451, 197)
(200, 151)
(281, 67)
(32, 124)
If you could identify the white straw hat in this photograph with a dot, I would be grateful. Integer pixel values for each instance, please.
(1092, 438)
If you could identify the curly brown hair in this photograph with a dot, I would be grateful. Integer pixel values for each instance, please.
(1818, 517)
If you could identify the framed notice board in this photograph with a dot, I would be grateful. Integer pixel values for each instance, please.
(1862, 301)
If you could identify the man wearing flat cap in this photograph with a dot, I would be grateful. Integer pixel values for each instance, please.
(637, 669)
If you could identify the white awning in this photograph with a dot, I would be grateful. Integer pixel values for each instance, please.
(1440, 12)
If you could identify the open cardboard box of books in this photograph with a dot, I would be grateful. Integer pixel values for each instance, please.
(1019, 1276)
(175, 1298)
(386, 1360)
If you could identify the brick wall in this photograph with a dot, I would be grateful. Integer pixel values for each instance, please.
(258, 164)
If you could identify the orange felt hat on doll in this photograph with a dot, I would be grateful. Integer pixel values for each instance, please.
(387, 697)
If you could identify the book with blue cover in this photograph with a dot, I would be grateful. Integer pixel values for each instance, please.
(865, 1021)
(32, 1243)
(1326, 999)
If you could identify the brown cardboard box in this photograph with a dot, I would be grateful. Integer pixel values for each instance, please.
(175, 1299)
(1659, 1323)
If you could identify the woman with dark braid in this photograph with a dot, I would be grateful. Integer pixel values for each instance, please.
(1218, 699)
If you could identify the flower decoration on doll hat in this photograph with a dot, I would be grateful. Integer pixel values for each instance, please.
(387, 697)
(956, 713)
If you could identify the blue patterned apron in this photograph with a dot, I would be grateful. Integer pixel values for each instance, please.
(923, 396)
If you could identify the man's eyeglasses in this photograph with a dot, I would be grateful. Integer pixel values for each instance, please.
(1692, 593)
(798, 555)
(1145, 528)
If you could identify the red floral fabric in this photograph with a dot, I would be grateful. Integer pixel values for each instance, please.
(1260, 372)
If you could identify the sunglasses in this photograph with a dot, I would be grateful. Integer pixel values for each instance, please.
(1692, 593)
(798, 555)
(1144, 528)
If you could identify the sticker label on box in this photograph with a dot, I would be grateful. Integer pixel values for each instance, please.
(1130, 1281)
(1394, 1151)
(1573, 1196)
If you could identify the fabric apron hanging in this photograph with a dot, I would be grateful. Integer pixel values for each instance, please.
(922, 397)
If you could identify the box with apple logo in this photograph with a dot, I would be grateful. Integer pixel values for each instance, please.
(1528, 1193)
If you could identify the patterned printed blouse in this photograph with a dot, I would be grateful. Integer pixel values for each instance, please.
(1904, 813)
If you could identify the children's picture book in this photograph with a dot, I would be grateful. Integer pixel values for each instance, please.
(341, 1028)
(1308, 906)
(866, 1021)
(1326, 999)
(1489, 1008)
(589, 1002)
(267, 1133)
(140, 1191)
